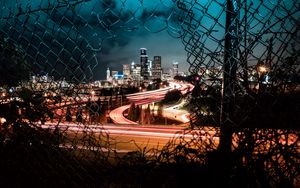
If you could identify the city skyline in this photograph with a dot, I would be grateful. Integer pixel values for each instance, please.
(172, 52)
(81, 43)
(89, 39)
(166, 65)
(229, 120)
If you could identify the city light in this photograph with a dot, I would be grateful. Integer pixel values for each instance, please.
(262, 69)
(2, 120)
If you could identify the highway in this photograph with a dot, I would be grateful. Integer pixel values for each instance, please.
(117, 116)
(174, 112)
(123, 137)
(127, 135)
(148, 97)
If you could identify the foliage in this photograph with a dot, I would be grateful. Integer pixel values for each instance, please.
(154, 85)
(172, 96)
(205, 105)
(30, 107)
(133, 112)
(261, 157)
(14, 67)
(268, 110)
(95, 110)
(193, 78)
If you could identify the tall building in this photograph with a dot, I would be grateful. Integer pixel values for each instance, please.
(135, 71)
(175, 69)
(126, 70)
(156, 68)
(144, 63)
(150, 68)
(107, 74)
(132, 67)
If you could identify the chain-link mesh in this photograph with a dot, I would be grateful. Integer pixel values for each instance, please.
(244, 56)
(253, 44)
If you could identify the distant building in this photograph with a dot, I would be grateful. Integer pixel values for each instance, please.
(107, 74)
(135, 71)
(144, 63)
(175, 69)
(150, 68)
(46, 84)
(126, 70)
(181, 74)
(166, 76)
(135, 74)
(114, 74)
(132, 67)
(156, 68)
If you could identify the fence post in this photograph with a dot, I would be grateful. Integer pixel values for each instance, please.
(229, 77)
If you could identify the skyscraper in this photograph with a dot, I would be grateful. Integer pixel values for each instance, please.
(107, 74)
(156, 68)
(150, 68)
(126, 70)
(144, 63)
(135, 71)
(175, 69)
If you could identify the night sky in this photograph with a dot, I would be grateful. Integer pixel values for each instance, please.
(126, 49)
(83, 39)
(107, 34)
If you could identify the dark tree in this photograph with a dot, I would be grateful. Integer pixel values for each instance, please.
(205, 104)
(172, 96)
(133, 112)
(14, 68)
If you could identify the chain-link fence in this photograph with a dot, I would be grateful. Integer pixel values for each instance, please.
(243, 59)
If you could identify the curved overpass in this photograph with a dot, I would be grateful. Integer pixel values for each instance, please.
(117, 115)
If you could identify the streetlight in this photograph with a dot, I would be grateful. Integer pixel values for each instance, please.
(262, 71)
(2, 120)
(93, 94)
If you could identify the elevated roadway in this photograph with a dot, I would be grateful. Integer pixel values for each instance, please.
(147, 97)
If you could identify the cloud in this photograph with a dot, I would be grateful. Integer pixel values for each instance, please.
(106, 28)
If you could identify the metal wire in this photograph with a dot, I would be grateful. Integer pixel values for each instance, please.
(246, 54)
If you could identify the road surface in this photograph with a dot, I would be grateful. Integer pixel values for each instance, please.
(148, 97)
(125, 137)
